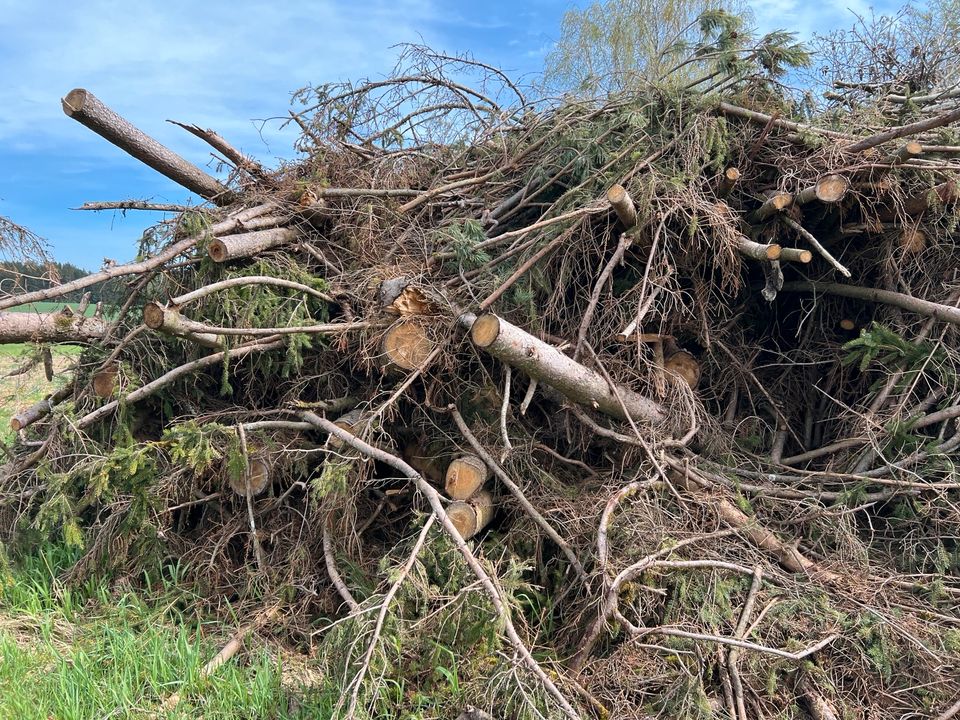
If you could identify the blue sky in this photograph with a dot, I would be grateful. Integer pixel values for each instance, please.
(224, 66)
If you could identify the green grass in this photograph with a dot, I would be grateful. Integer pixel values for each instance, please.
(86, 653)
(42, 307)
(23, 390)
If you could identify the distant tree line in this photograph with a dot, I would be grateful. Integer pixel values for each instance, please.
(20, 277)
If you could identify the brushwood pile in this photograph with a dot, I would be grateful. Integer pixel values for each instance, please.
(629, 408)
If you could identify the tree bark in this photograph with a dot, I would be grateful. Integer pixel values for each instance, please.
(232, 247)
(727, 181)
(944, 313)
(758, 251)
(239, 160)
(776, 203)
(168, 321)
(86, 109)
(61, 327)
(40, 409)
(548, 365)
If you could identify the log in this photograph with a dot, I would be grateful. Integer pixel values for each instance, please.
(471, 516)
(465, 476)
(828, 189)
(63, 326)
(727, 180)
(904, 131)
(912, 239)
(776, 203)
(39, 409)
(168, 321)
(758, 251)
(848, 324)
(682, 364)
(549, 366)
(796, 255)
(908, 151)
(424, 462)
(406, 345)
(232, 247)
(104, 381)
(258, 473)
(351, 422)
(944, 313)
(85, 108)
(622, 204)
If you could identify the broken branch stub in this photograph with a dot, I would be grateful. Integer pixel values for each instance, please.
(465, 476)
(546, 364)
(472, 515)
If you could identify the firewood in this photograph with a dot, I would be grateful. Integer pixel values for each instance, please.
(406, 345)
(726, 181)
(257, 474)
(777, 202)
(548, 365)
(473, 515)
(829, 189)
(232, 247)
(465, 476)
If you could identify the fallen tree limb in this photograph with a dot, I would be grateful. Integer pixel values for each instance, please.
(86, 109)
(63, 326)
(40, 409)
(134, 205)
(232, 247)
(549, 366)
(175, 374)
(239, 160)
(168, 321)
(944, 313)
(904, 131)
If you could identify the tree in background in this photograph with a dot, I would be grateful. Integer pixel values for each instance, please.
(622, 44)
(914, 51)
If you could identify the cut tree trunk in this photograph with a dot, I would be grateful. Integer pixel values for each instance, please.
(232, 247)
(548, 365)
(86, 109)
(758, 251)
(681, 363)
(465, 476)
(63, 326)
(796, 255)
(828, 189)
(258, 474)
(407, 346)
(776, 203)
(473, 515)
(168, 321)
(622, 204)
(105, 381)
(727, 180)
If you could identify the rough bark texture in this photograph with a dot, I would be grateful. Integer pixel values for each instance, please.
(63, 326)
(548, 365)
(232, 247)
(86, 109)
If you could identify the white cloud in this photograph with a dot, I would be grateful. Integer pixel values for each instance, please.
(215, 63)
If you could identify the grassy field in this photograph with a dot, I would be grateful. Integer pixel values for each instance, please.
(90, 653)
(18, 391)
(41, 307)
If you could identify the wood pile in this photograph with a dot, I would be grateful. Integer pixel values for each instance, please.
(642, 407)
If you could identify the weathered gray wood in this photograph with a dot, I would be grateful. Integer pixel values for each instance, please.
(86, 109)
(63, 326)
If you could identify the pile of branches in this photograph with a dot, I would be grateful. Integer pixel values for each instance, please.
(625, 408)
